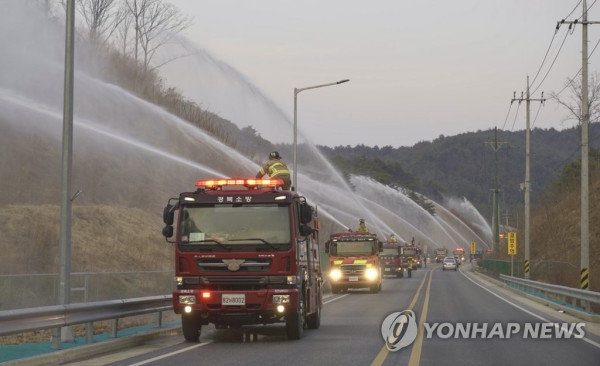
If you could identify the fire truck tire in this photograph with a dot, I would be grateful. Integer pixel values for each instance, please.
(335, 289)
(190, 324)
(375, 288)
(313, 321)
(294, 321)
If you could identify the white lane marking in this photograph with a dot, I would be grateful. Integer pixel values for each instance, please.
(334, 299)
(170, 354)
(593, 343)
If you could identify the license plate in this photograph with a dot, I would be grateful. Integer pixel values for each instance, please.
(233, 299)
(353, 279)
(387, 269)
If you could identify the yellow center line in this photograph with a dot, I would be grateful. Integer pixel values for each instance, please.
(383, 353)
(415, 355)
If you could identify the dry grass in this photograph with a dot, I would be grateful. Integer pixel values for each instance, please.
(104, 239)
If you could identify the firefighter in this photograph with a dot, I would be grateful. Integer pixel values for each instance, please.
(393, 239)
(409, 267)
(276, 168)
(362, 227)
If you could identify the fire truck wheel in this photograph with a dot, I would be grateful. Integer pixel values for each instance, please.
(294, 321)
(335, 289)
(313, 321)
(190, 324)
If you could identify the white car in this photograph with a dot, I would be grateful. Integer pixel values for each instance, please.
(449, 263)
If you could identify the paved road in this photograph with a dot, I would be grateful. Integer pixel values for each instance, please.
(351, 334)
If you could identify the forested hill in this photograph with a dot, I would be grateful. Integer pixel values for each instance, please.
(463, 165)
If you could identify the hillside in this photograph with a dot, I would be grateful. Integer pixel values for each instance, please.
(104, 239)
(463, 165)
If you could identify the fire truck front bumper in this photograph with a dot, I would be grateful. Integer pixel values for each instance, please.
(237, 307)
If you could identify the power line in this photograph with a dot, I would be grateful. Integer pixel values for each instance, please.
(516, 112)
(553, 61)
(507, 114)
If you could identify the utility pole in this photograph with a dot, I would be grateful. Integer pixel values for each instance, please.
(527, 184)
(64, 245)
(495, 214)
(584, 282)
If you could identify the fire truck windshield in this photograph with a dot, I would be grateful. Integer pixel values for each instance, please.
(353, 248)
(390, 251)
(230, 226)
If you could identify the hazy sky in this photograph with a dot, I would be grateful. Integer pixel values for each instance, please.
(418, 69)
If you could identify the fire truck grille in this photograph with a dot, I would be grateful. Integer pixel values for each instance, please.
(353, 269)
(234, 265)
(235, 283)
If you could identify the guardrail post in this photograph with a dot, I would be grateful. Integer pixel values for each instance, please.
(159, 319)
(114, 325)
(89, 333)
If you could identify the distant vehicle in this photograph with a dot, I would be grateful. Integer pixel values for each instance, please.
(460, 253)
(391, 260)
(449, 263)
(411, 252)
(354, 261)
(440, 254)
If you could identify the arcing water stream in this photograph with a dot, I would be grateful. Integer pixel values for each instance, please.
(133, 153)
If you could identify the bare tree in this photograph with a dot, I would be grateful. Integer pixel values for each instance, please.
(101, 17)
(123, 29)
(159, 23)
(574, 99)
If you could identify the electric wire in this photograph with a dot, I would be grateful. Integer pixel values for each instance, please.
(507, 114)
(516, 114)
(552, 41)
(553, 62)
(577, 73)
(536, 115)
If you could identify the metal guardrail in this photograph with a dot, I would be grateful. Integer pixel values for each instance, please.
(584, 297)
(58, 316)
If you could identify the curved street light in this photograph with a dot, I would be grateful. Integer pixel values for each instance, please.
(296, 91)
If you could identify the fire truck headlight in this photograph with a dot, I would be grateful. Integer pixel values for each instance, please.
(187, 309)
(335, 274)
(371, 274)
(280, 308)
(187, 299)
(281, 299)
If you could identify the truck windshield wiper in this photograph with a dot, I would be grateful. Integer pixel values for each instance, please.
(211, 241)
(271, 246)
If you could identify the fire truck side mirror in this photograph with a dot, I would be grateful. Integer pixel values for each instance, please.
(305, 230)
(380, 247)
(327, 246)
(167, 231)
(306, 213)
(168, 215)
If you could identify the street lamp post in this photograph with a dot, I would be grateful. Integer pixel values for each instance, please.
(296, 91)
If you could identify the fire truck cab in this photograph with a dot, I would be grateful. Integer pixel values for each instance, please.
(246, 253)
(354, 261)
(391, 260)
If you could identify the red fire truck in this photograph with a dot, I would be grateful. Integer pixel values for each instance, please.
(391, 260)
(411, 252)
(245, 253)
(354, 261)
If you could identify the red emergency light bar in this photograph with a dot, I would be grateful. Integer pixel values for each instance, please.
(248, 182)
